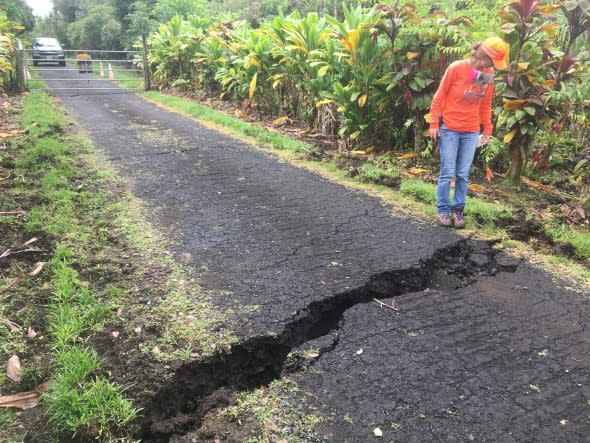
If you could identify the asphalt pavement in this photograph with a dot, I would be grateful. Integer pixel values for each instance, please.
(479, 347)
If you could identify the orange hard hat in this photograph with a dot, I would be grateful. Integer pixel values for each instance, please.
(498, 50)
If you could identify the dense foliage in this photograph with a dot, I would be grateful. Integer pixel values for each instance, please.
(19, 12)
(7, 51)
(366, 73)
(365, 76)
(539, 89)
(118, 23)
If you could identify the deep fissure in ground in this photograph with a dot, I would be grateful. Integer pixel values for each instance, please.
(180, 405)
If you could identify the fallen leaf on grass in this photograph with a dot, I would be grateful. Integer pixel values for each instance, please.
(536, 185)
(474, 187)
(13, 213)
(575, 215)
(33, 240)
(12, 133)
(13, 369)
(24, 400)
(407, 155)
(31, 333)
(37, 268)
(11, 252)
(12, 325)
(535, 388)
(279, 121)
(9, 285)
(417, 171)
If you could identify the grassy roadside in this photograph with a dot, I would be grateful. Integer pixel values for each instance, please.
(484, 217)
(80, 398)
(89, 277)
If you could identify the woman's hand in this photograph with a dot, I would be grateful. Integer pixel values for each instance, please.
(434, 133)
(485, 139)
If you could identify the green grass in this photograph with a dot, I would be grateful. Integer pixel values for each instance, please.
(476, 210)
(488, 212)
(257, 132)
(194, 320)
(371, 173)
(275, 413)
(579, 241)
(6, 423)
(422, 191)
(80, 400)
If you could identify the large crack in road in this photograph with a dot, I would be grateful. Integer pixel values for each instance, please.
(475, 353)
(179, 407)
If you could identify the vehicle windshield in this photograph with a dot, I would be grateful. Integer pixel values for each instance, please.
(46, 42)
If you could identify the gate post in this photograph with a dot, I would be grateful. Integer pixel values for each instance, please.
(20, 66)
(146, 72)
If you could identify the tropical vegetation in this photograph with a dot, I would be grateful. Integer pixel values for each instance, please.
(368, 76)
(364, 74)
(7, 51)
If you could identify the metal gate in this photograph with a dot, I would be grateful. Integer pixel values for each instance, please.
(83, 70)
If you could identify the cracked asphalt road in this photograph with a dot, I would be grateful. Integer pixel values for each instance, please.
(488, 362)
(274, 237)
(496, 361)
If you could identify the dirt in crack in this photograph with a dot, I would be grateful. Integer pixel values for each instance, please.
(200, 387)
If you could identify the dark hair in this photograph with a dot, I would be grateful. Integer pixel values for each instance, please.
(475, 48)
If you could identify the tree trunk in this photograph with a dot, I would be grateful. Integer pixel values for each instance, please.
(517, 150)
(418, 132)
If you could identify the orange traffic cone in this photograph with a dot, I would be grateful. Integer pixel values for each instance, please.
(111, 75)
(101, 70)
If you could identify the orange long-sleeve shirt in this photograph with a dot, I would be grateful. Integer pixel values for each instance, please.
(458, 102)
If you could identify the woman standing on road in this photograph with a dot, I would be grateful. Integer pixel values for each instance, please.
(462, 104)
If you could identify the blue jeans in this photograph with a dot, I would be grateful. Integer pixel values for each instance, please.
(456, 155)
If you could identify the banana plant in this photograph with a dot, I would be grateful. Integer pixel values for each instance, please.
(233, 76)
(302, 49)
(172, 50)
(355, 90)
(245, 74)
(212, 56)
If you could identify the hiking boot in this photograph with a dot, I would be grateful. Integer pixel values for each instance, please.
(458, 218)
(444, 220)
